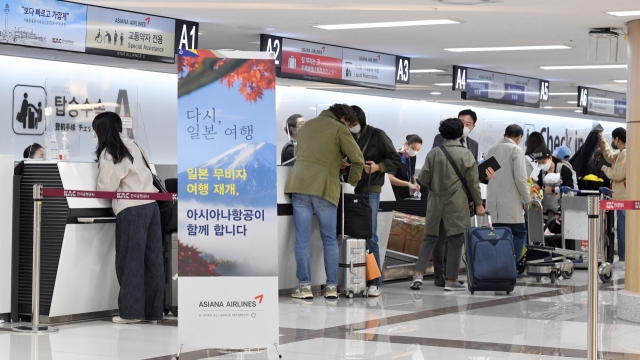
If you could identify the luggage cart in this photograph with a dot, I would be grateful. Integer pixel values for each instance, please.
(575, 221)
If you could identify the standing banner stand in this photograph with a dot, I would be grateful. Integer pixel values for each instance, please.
(227, 228)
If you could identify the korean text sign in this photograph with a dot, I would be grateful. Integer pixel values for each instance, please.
(228, 261)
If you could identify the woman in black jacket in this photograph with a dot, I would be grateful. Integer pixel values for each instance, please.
(380, 157)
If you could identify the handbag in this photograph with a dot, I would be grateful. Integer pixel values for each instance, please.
(355, 209)
(471, 203)
(373, 270)
(165, 207)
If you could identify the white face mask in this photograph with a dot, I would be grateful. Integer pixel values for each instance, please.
(545, 167)
(356, 129)
(465, 132)
(411, 152)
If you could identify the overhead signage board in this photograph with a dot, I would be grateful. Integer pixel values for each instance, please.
(489, 86)
(45, 24)
(311, 61)
(130, 35)
(69, 26)
(601, 102)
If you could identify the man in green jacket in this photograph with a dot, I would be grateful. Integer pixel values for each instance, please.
(448, 205)
(381, 157)
(314, 183)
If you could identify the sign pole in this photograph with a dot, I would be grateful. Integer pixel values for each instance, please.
(592, 321)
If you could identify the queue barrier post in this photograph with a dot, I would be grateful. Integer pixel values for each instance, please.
(593, 212)
(35, 327)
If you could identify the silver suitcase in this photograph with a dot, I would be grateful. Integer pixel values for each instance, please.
(352, 274)
(352, 277)
(171, 273)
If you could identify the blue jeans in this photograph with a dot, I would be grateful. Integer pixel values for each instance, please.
(519, 232)
(304, 206)
(372, 244)
(620, 228)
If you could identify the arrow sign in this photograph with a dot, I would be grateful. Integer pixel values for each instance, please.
(260, 297)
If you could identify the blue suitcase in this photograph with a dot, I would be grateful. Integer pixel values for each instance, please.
(490, 259)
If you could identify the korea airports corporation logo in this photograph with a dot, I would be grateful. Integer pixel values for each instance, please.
(28, 110)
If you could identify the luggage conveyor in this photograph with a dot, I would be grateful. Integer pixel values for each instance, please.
(397, 266)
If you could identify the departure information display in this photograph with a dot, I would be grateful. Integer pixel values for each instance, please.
(305, 60)
(601, 102)
(489, 86)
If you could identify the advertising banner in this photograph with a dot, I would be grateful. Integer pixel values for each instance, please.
(44, 23)
(228, 259)
(130, 35)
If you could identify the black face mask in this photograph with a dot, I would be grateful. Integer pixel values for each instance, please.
(613, 145)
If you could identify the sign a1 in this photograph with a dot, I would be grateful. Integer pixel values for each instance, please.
(403, 64)
(186, 35)
(270, 43)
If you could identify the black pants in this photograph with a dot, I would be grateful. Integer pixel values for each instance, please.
(139, 263)
(440, 254)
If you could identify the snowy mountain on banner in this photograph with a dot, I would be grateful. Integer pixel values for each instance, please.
(259, 189)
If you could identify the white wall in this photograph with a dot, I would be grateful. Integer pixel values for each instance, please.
(157, 96)
(399, 117)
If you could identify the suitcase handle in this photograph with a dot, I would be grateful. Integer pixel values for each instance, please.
(475, 217)
(351, 266)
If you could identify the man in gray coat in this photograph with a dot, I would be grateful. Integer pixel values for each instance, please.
(508, 188)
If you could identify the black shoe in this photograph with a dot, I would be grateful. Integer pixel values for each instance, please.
(439, 281)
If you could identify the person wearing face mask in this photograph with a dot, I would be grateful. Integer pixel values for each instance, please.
(403, 181)
(314, 186)
(617, 173)
(469, 119)
(550, 164)
(380, 158)
(291, 128)
(34, 151)
(507, 190)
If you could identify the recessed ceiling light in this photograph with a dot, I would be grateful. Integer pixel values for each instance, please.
(254, 42)
(436, 93)
(578, 111)
(418, 71)
(511, 48)
(386, 24)
(443, 84)
(572, 102)
(624, 13)
(563, 94)
(256, 28)
(583, 67)
(620, 81)
(548, 107)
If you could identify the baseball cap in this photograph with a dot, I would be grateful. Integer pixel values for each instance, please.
(542, 152)
(563, 153)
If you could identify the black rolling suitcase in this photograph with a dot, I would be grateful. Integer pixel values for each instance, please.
(170, 246)
(490, 259)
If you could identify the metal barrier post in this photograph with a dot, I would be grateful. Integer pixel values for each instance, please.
(592, 322)
(35, 327)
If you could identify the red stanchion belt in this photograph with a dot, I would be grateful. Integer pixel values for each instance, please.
(87, 194)
(619, 205)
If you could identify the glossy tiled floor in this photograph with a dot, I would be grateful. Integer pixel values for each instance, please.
(537, 321)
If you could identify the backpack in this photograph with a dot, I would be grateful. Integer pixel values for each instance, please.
(573, 173)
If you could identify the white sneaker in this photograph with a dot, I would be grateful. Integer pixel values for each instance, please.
(119, 320)
(454, 286)
(373, 291)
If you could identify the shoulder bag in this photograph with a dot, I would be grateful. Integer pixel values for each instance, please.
(167, 208)
(471, 203)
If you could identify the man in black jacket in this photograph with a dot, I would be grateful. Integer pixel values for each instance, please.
(469, 118)
(380, 157)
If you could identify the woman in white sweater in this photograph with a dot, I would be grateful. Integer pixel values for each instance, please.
(139, 261)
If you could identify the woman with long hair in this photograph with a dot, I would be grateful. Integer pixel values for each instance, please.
(139, 260)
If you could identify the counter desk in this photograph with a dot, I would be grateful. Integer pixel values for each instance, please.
(77, 276)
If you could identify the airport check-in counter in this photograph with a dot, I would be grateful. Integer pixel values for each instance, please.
(287, 279)
(77, 276)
